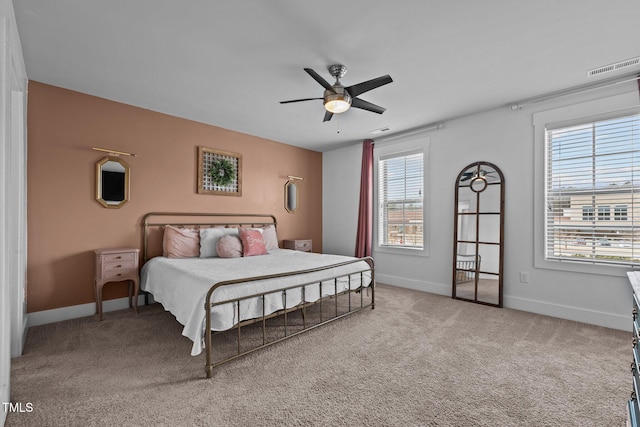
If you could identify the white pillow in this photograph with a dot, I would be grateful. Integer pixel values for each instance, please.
(209, 240)
(270, 237)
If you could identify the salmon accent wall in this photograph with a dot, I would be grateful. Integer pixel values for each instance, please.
(65, 222)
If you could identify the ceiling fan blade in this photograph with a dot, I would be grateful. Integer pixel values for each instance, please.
(325, 84)
(327, 116)
(363, 87)
(470, 175)
(298, 100)
(364, 105)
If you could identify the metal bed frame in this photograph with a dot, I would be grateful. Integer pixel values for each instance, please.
(161, 219)
(467, 267)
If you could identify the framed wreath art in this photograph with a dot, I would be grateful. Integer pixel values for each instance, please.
(219, 172)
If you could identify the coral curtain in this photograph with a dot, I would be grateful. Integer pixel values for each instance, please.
(365, 212)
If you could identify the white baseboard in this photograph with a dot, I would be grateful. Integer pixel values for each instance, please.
(4, 397)
(598, 318)
(417, 285)
(25, 330)
(16, 350)
(592, 317)
(83, 310)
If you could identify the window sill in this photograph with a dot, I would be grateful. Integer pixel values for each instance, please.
(584, 268)
(422, 252)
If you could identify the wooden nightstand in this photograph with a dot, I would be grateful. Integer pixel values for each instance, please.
(115, 265)
(298, 245)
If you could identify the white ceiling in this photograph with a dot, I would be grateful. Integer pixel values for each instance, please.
(229, 63)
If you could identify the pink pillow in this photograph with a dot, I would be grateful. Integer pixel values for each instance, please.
(252, 242)
(270, 237)
(229, 247)
(180, 242)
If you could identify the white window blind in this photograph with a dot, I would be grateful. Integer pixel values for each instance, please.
(593, 192)
(400, 197)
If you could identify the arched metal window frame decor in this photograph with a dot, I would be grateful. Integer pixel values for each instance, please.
(478, 183)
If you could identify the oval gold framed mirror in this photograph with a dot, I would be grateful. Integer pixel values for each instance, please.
(291, 196)
(112, 182)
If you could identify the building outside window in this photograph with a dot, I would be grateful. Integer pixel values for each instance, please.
(620, 213)
(591, 164)
(587, 213)
(400, 200)
(604, 213)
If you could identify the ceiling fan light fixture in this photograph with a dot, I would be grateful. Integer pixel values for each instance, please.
(337, 102)
(338, 99)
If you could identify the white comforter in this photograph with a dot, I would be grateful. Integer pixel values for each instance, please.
(181, 286)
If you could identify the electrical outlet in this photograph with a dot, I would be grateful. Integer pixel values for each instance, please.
(524, 277)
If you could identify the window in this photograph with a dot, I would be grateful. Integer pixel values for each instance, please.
(593, 164)
(620, 213)
(604, 213)
(400, 200)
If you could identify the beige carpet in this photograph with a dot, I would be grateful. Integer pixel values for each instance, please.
(418, 359)
(488, 291)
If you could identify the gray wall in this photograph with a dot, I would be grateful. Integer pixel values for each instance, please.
(506, 138)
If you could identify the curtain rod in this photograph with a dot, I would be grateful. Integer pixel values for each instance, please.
(518, 105)
(575, 90)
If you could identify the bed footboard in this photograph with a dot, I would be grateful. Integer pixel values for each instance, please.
(327, 305)
(467, 267)
(302, 309)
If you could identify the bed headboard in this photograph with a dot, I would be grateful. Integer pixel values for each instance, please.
(153, 223)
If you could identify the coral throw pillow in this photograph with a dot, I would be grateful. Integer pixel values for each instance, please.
(252, 242)
(229, 247)
(180, 242)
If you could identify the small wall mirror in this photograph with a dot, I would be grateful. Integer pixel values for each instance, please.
(478, 242)
(112, 182)
(291, 196)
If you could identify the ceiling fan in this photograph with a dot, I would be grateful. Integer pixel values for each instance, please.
(338, 98)
(469, 174)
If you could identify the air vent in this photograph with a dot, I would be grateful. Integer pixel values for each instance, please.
(613, 67)
(381, 130)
